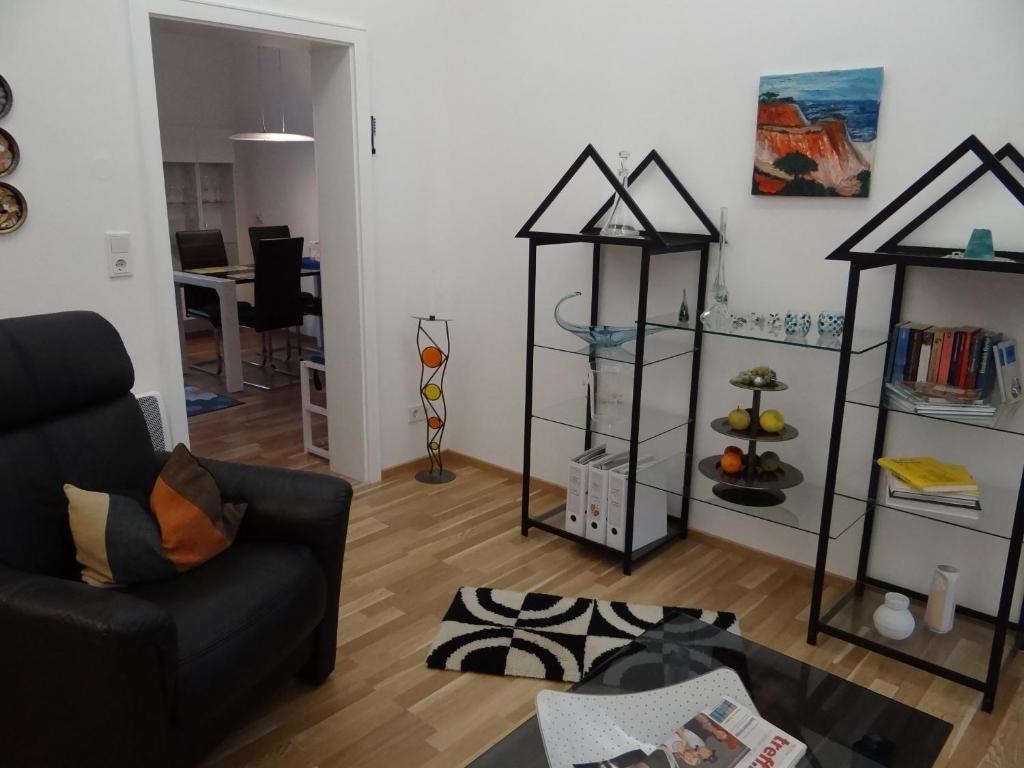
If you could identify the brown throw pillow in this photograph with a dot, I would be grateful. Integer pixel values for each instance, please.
(195, 524)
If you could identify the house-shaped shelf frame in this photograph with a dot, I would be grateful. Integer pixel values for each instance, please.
(843, 618)
(896, 251)
(656, 241)
(648, 243)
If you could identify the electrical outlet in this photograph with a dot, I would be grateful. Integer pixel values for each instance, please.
(119, 254)
(416, 413)
(119, 265)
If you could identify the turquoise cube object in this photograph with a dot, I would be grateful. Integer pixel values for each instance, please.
(980, 245)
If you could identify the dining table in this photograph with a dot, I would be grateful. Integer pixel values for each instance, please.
(225, 281)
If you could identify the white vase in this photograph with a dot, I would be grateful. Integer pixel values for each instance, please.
(938, 616)
(893, 619)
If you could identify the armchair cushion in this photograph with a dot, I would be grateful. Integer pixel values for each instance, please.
(87, 674)
(300, 508)
(238, 617)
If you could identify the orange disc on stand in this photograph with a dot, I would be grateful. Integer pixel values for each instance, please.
(431, 357)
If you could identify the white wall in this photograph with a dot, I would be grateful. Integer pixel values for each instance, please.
(533, 82)
(79, 134)
(481, 107)
(75, 119)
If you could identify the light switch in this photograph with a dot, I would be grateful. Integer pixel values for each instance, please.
(120, 243)
(119, 259)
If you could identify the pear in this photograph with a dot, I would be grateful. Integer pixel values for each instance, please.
(772, 421)
(739, 419)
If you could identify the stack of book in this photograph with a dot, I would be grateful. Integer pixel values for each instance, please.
(930, 487)
(939, 400)
(941, 371)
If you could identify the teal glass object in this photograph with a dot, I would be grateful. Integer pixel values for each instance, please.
(600, 335)
(980, 245)
(684, 310)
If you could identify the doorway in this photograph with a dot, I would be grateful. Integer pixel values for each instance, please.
(207, 73)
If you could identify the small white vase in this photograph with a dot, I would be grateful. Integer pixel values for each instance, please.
(893, 619)
(938, 616)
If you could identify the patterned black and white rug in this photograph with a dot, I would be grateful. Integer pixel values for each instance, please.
(528, 634)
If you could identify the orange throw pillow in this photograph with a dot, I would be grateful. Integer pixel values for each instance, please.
(195, 524)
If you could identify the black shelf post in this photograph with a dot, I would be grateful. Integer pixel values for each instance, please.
(595, 290)
(638, 395)
(691, 427)
(995, 659)
(881, 424)
(531, 301)
(832, 466)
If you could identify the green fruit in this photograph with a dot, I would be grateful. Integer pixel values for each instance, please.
(768, 461)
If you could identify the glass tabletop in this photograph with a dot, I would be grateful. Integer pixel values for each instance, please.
(843, 724)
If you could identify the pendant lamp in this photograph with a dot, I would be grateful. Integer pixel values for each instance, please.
(265, 135)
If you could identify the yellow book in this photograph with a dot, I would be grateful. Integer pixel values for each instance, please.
(927, 474)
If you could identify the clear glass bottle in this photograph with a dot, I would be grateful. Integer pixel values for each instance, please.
(717, 317)
(621, 222)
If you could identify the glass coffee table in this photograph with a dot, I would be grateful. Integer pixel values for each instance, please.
(843, 724)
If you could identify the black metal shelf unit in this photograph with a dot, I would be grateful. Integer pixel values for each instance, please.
(651, 242)
(852, 610)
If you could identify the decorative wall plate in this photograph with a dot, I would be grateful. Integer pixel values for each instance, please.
(9, 153)
(13, 209)
(6, 97)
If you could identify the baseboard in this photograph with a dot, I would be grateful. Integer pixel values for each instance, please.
(454, 457)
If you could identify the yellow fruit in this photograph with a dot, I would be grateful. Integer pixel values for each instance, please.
(772, 421)
(739, 419)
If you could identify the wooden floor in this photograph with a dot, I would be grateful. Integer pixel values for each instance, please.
(265, 429)
(410, 546)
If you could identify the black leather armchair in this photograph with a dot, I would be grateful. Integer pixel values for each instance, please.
(153, 675)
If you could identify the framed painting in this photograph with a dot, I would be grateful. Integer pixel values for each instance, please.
(816, 133)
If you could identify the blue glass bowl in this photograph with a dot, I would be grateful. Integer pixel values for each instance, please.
(600, 335)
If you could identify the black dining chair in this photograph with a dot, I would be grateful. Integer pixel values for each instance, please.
(311, 304)
(197, 249)
(277, 298)
(272, 232)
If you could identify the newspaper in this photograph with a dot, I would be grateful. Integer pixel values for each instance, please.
(726, 736)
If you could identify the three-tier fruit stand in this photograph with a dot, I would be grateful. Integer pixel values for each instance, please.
(753, 485)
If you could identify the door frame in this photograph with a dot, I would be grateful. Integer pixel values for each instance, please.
(361, 461)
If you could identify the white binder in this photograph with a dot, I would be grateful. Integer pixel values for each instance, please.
(576, 490)
(597, 494)
(650, 513)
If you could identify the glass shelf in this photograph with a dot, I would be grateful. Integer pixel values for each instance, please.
(657, 348)
(863, 341)
(965, 649)
(998, 505)
(801, 510)
(1007, 418)
(674, 241)
(654, 422)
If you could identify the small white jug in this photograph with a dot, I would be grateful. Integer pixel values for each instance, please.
(938, 616)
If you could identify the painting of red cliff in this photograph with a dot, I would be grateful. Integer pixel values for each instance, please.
(816, 133)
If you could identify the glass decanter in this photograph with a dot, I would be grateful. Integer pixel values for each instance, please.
(621, 222)
(716, 317)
